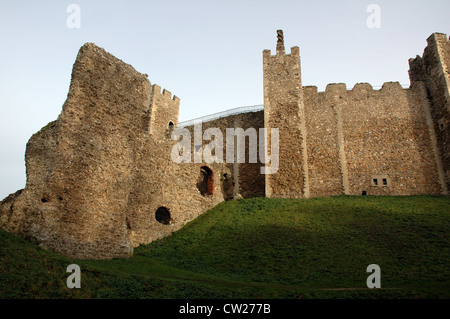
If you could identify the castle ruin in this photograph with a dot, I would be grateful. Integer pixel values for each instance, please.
(100, 179)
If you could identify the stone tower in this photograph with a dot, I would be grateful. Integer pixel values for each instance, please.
(164, 110)
(283, 109)
(433, 68)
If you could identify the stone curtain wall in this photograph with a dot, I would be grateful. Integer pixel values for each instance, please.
(246, 179)
(251, 181)
(358, 135)
(159, 183)
(98, 174)
(385, 134)
(101, 180)
(358, 141)
(325, 175)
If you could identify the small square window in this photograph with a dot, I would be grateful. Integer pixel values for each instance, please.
(380, 180)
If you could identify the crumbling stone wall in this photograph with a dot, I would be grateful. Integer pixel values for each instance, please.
(79, 168)
(159, 182)
(97, 175)
(101, 179)
(241, 179)
(434, 70)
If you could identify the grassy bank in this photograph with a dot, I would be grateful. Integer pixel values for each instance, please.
(262, 248)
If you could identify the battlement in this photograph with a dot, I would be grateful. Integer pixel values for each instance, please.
(295, 51)
(310, 89)
(167, 95)
(341, 88)
(391, 87)
(165, 109)
(280, 52)
(335, 88)
(362, 87)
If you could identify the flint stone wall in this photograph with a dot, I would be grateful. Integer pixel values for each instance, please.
(97, 175)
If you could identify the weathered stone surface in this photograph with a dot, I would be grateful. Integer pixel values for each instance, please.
(101, 180)
(434, 70)
(376, 142)
(284, 110)
(97, 175)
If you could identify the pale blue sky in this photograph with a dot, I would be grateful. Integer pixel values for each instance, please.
(208, 53)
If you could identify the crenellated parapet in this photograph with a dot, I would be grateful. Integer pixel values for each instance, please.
(164, 111)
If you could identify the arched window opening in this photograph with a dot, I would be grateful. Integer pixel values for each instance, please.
(162, 215)
(205, 182)
(171, 125)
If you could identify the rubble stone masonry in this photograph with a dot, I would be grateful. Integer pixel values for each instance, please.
(101, 180)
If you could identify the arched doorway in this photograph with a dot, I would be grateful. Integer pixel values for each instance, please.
(205, 183)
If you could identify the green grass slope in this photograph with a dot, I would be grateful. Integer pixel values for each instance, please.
(262, 248)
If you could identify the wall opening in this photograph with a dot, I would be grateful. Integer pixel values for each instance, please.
(441, 124)
(170, 126)
(205, 183)
(364, 193)
(227, 186)
(380, 180)
(162, 215)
